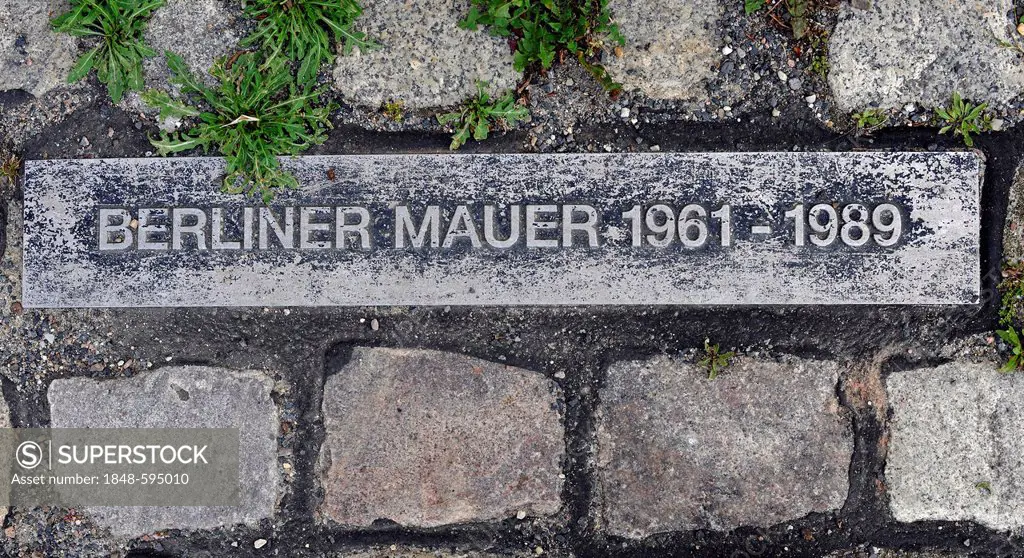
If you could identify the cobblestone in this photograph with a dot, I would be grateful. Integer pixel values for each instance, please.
(427, 438)
(955, 451)
(425, 59)
(182, 397)
(763, 443)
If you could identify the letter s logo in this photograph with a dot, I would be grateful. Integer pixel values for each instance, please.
(29, 455)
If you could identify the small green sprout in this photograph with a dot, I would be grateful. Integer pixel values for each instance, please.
(964, 118)
(751, 6)
(1011, 337)
(870, 119)
(480, 114)
(984, 487)
(119, 25)
(257, 114)
(10, 166)
(394, 110)
(543, 30)
(714, 360)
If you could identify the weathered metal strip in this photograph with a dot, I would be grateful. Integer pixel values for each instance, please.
(523, 229)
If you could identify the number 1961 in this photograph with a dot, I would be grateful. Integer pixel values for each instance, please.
(854, 225)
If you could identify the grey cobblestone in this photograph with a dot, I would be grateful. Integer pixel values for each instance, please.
(426, 438)
(425, 59)
(763, 443)
(182, 397)
(668, 56)
(955, 451)
(33, 57)
(918, 51)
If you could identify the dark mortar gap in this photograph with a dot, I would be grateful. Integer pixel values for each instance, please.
(21, 412)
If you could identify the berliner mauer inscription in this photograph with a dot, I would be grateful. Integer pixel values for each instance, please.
(524, 229)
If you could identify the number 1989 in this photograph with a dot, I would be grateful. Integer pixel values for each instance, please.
(854, 225)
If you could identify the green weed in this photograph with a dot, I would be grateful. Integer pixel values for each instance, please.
(714, 359)
(119, 26)
(964, 118)
(751, 6)
(1011, 312)
(799, 17)
(870, 119)
(394, 110)
(1011, 336)
(304, 30)
(544, 30)
(10, 167)
(819, 63)
(480, 114)
(256, 114)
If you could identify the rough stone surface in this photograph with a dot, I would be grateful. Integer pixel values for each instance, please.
(919, 51)
(32, 56)
(671, 55)
(212, 31)
(764, 443)
(953, 427)
(5, 422)
(1013, 230)
(425, 59)
(411, 552)
(182, 397)
(427, 438)
(935, 260)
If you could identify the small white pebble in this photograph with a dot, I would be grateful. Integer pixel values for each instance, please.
(259, 543)
(655, 148)
(374, 324)
(776, 113)
(811, 99)
(783, 76)
(624, 113)
(910, 108)
(727, 50)
(521, 515)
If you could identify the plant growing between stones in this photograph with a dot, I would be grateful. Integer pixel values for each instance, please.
(304, 30)
(752, 6)
(714, 359)
(394, 110)
(119, 26)
(545, 30)
(480, 114)
(870, 119)
(799, 12)
(10, 167)
(964, 118)
(256, 114)
(1011, 312)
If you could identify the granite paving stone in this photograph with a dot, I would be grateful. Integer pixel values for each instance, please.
(424, 60)
(955, 451)
(672, 55)
(896, 52)
(182, 397)
(428, 438)
(765, 442)
(33, 58)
